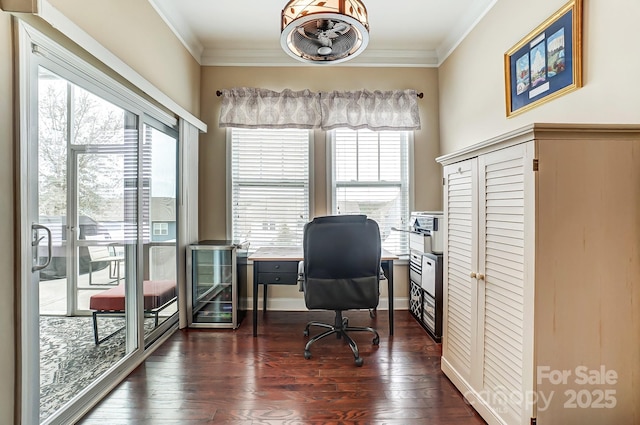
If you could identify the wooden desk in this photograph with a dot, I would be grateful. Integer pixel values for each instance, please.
(279, 266)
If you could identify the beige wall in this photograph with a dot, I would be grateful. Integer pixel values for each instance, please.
(133, 31)
(7, 322)
(212, 194)
(140, 38)
(472, 99)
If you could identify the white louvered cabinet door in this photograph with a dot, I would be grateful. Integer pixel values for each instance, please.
(460, 304)
(555, 242)
(504, 375)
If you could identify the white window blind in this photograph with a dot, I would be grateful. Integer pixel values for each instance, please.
(371, 176)
(269, 186)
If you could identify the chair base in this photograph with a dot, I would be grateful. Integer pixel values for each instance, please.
(340, 328)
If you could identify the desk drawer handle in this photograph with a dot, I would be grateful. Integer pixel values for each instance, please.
(277, 279)
(277, 266)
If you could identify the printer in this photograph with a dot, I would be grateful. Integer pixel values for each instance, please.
(426, 231)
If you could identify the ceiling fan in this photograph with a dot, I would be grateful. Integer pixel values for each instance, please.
(322, 32)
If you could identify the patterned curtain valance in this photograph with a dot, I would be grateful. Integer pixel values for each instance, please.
(260, 108)
(377, 110)
(374, 110)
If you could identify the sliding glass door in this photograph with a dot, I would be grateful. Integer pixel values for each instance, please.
(98, 232)
(87, 197)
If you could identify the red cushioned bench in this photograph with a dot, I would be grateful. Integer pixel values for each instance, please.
(158, 295)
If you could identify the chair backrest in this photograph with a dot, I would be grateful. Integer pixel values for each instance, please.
(341, 262)
(97, 252)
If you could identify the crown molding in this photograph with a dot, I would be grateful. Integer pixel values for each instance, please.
(276, 57)
(463, 27)
(175, 21)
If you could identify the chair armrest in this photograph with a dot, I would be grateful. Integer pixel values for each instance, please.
(301, 276)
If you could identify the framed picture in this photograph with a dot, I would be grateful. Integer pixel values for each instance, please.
(547, 63)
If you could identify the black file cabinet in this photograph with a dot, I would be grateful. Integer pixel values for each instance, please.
(425, 292)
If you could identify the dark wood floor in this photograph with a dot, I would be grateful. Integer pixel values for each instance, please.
(229, 377)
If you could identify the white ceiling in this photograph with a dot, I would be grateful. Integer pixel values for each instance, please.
(418, 33)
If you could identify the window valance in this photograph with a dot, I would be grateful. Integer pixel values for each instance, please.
(259, 108)
(375, 110)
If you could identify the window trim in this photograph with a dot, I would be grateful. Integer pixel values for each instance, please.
(229, 182)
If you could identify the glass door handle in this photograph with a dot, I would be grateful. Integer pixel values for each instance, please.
(36, 241)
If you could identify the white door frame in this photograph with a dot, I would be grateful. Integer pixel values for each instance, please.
(29, 280)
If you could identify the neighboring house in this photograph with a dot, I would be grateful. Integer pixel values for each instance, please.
(162, 216)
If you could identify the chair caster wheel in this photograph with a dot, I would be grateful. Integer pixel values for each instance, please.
(306, 332)
(307, 354)
(376, 341)
(359, 361)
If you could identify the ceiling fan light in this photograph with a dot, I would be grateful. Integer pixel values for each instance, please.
(307, 24)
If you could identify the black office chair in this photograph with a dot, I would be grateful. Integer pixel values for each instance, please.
(341, 270)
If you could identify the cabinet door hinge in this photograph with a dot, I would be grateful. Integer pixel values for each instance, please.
(535, 164)
(443, 180)
(534, 420)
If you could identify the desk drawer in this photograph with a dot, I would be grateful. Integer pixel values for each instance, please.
(277, 267)
(279, 278)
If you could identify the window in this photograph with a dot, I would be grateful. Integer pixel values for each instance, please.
(269, 185)
(160, 229)
(370, 175)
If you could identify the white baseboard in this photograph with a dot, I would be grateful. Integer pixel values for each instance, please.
(471, 396)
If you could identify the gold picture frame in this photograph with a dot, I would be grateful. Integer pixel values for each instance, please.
(547, 63)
